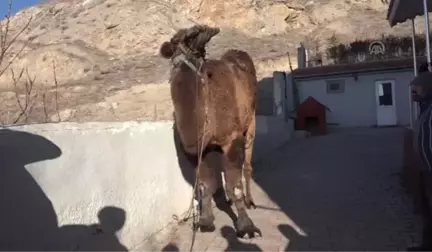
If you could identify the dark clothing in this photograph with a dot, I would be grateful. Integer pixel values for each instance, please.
(423, 137)
(423, 145)
(426, 198)
(423, 133)
(422, 107)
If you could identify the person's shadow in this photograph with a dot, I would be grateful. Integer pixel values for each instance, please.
(27, 217)
(96, 237)
(28, 221)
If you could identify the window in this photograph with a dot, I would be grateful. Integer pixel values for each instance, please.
(385, 96)
(335, 86)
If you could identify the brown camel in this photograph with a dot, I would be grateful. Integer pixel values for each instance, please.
(214, 107)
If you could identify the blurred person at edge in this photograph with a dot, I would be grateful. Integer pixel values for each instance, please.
(421, 91)
(423, 68)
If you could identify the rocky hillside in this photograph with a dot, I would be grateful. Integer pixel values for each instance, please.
(105, 51)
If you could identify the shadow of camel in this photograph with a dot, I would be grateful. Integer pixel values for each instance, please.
(27, 216)
(170, 247)
(234, 244)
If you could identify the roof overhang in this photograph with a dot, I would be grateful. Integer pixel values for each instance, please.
(379, 66)
(400, 11)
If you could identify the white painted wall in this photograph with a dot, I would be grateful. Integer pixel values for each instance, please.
(357, 105)
(127, 165)
(55, 178)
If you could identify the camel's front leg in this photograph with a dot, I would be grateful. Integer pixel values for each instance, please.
(207, 185)
(233, 178)
(247, 168)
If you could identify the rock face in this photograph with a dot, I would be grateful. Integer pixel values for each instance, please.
(102, 47)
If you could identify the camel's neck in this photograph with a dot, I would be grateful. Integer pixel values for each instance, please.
(187, 90)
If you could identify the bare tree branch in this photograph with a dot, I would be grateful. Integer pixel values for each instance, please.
(25, 106)
(56, 91)
(6, 43)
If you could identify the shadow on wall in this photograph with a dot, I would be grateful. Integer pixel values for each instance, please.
(27, 216)
(95, 237)
(265, 96)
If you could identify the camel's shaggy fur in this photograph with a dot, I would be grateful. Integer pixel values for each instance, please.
(214, 105)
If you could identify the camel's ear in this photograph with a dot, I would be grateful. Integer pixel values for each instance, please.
(167, 50)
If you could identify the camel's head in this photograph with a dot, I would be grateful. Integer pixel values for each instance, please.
(190, 41)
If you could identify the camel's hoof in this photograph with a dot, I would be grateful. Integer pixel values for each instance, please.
(246, 229)
(249, 203)
(206, 226)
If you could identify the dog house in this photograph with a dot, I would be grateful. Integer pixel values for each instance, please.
(311, 116)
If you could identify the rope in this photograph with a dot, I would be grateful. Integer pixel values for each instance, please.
(199, 156)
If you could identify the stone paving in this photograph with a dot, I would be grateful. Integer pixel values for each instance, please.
(342, 189)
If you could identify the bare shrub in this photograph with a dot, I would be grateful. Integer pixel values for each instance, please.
(24, 85)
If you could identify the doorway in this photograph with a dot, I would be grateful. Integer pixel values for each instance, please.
(385, 100)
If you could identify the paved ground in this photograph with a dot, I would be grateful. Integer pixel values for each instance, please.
(342, 189)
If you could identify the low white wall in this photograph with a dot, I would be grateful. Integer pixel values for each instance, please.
(56, 178)
(131, 166)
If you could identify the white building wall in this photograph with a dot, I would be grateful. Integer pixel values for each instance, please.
(356, 106)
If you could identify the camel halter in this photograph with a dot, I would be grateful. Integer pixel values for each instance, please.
(181, 58)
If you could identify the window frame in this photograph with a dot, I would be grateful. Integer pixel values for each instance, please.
(340, 82)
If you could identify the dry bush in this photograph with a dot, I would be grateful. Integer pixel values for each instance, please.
(25, 92)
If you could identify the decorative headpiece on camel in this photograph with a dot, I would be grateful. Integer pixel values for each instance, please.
(190, 41)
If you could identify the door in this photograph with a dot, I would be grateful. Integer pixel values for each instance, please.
(386, 107)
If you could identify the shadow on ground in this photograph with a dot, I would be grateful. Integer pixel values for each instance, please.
(340, 188)
(27, 216)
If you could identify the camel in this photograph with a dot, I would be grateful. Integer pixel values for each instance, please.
(214, 106)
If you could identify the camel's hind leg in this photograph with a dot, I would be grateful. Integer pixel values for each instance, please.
(207, 185)
(233, 160)
(247, 169)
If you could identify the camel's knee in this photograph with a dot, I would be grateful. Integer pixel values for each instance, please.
(207, 187)
(249, 140)
(235, 190)
(247, 168)
(238, 193)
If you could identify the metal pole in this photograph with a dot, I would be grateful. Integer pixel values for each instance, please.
(413, 114)
(426, 17)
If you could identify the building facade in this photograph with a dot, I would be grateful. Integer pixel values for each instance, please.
(363, 94)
